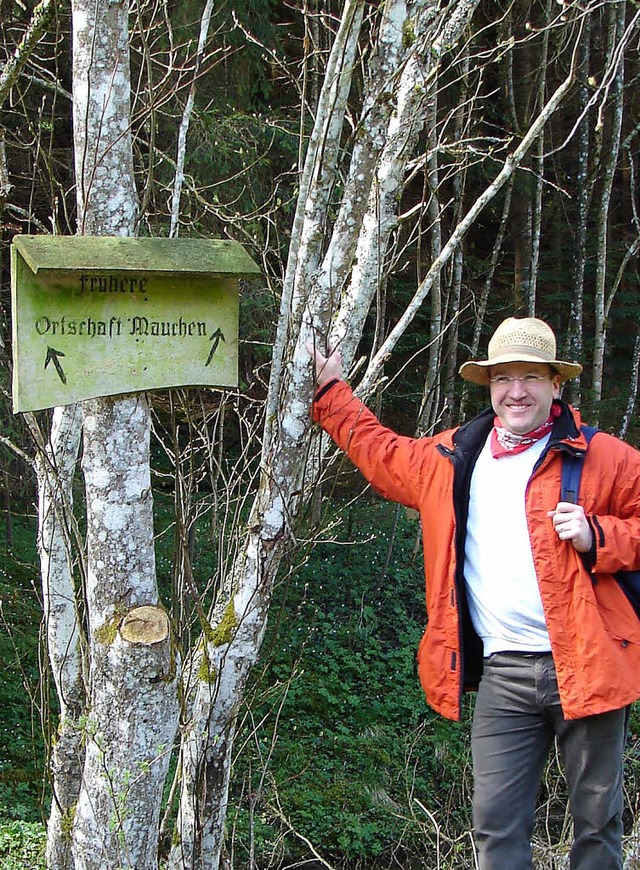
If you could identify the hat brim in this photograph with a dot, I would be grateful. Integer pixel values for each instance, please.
(478, 371)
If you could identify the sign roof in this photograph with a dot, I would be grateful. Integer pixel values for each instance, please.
(222, 257)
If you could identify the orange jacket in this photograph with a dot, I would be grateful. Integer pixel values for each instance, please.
(594, 632)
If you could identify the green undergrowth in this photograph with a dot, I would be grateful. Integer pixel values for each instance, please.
(338, 744)
(22, 845)
(21, 686)
(336, 750)
(337, 747)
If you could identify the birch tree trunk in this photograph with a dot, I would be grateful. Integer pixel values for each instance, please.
(431, 390)
(132, 710)
(538, 168)
(56, 466)
(583, 199)
(486, 287)
(633, 390)
(217, 676)
(431, 39)
(453, 308)
(205, 21)
(133, 699)
(310, 297)
(610, 159)
(505, 174)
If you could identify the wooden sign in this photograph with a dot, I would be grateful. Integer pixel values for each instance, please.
(102, 316)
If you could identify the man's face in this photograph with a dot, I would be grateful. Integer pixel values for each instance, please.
(522, 394)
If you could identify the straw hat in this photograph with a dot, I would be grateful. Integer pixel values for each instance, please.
(520, 339)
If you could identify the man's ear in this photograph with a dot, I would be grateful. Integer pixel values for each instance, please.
(556, 387)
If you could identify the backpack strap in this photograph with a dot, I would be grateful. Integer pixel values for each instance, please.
(572, 469)
(629, 581)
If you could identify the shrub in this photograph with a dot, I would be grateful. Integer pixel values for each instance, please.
(22, 846)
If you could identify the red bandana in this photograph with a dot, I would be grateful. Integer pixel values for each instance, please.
(505, 443)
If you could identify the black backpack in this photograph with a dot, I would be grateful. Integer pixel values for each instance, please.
(571, 472)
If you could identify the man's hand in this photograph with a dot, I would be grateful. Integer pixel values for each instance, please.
(328, 368)
(571, 524)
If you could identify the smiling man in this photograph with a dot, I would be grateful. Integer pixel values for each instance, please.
(521, 598)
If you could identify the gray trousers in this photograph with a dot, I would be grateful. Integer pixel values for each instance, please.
(517, 716)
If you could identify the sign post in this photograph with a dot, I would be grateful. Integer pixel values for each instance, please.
(101, 316)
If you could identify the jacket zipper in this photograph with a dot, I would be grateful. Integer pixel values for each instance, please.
(458, 597)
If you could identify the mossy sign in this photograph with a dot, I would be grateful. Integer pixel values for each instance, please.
(101, 316)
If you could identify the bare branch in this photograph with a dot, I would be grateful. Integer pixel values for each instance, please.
(37, 26)
(186, 118)
(510, 165)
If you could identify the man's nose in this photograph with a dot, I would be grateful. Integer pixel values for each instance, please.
(517, 386)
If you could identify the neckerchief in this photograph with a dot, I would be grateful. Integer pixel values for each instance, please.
(505, 443)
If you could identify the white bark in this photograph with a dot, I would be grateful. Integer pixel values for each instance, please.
(56, 465)
(431, 389)
(205, 21)
(5, 183)
(633, 393)
(434, 34)
(219, 673)
(538, 170)
(132, 716)
(453, 308)
(237, 627)
(584, 190)
(101, 128)
(381, 217)
(215, 687)
(379, 105)
(316, 182)
(132, 712)
(610, 159)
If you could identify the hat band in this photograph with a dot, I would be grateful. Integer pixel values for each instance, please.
(527, 350)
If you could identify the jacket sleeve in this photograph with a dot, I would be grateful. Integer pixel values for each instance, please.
(612, 503)
(395, 465)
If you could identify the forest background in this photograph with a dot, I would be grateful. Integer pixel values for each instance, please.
(498, 158)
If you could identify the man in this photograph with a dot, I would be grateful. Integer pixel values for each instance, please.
(521, 600)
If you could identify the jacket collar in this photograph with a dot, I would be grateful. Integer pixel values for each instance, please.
(474, 432)
(565, 426)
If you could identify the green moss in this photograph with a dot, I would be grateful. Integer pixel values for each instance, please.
(223, 633)
(408, 33)
(207, 630)
(206, 672)
(67, 820)
(107, 632)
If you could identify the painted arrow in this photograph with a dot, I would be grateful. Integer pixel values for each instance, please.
(53, 356)
(215, 340)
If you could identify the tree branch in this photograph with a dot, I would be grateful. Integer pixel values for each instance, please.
(510, 165)
(37, 26)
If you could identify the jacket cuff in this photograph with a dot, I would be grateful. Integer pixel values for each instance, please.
(325, 389)
(589, 558)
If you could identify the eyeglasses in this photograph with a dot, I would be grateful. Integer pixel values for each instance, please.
(527, 380)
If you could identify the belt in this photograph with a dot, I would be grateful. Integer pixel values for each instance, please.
(525, 654)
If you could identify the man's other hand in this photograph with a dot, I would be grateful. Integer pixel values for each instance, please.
(329, 367)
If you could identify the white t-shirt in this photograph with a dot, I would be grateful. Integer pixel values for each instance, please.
(504, 598)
